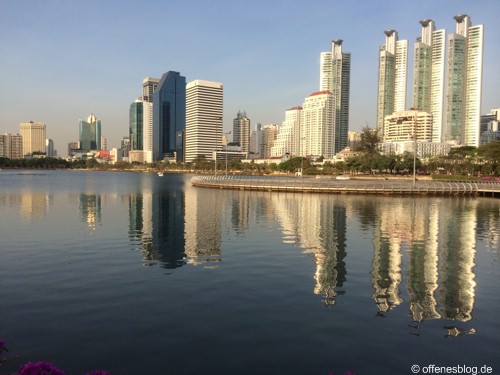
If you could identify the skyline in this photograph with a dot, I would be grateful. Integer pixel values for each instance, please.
(63, 62)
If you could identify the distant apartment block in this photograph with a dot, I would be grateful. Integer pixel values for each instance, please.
(288, 138)
(317, 138)
(241, 131)
(11, 146)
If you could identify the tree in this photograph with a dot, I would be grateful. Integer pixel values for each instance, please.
(369, 141)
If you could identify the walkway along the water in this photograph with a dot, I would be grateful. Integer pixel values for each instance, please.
(352, 186)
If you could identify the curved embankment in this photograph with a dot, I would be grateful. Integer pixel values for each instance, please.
(352, 186)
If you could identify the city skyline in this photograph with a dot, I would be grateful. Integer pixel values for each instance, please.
(267, 63)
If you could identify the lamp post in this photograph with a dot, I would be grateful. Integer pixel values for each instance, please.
(216, 142)
(414, 155)
(225, 148)
(302, 161)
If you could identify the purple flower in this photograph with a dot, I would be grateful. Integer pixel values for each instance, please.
(99, 372)
(39, 368)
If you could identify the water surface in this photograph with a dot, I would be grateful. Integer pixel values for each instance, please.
(137, 273)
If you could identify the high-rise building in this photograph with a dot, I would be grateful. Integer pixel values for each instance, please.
(392, 73)
(288, 138)
(104, 143)
(136, 125)
(318, 113)
(428, 75)
(49, 148)
(335, 73)
(463, 94)
(90, 134)
(11, 146)
(204, 109)
(268, 136)
(149, 86)
(33, 134)
(169, 116)
(241, 131)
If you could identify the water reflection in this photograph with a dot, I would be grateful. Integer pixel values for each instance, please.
(423, 248)
(90, 209)
(319, 226)
(421, 251)
(173, 227)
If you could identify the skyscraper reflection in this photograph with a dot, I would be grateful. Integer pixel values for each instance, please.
(318, 224)
(173, 227)
(90, 209)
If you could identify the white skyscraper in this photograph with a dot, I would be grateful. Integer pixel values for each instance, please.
(393, 63)
(288, 139)
(317, 125)
(204, 107)
(465, 71)
(428, 75)
(147, 131)
(335, 73)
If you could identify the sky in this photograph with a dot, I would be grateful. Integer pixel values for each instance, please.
(61, 60)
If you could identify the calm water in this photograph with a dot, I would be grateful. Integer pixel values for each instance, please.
(141, 274)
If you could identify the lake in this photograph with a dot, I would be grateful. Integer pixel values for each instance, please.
(141, 274)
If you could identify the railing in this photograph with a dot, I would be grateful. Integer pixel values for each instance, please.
(312, 185)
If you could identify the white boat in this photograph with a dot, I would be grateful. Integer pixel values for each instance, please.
(160, 174)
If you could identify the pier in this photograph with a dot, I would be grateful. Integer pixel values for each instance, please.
(350, 186)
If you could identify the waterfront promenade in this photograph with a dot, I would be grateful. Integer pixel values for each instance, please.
(350, 186)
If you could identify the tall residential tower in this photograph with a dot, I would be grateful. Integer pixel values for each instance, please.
(465, 71)
(392, 73)
(428, 75)
(335, 73)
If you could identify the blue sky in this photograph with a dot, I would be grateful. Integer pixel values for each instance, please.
(63, 60)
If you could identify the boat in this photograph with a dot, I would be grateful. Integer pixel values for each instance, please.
(160, 174)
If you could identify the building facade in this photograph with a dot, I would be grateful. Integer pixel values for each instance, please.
(241, 131)
(335, 73)
(317, 132)
(169, 116)
(11, 146)
(136, 125)
(90, 134)
(268, 136)
(33, 135)
(428, 75)
(409, 125)
(288, 138)
(392, 77)
(463, 93)
(204, 110)
(49, 148)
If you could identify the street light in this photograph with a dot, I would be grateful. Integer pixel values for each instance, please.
(414, 155)
(225, 148)
(216, 143)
